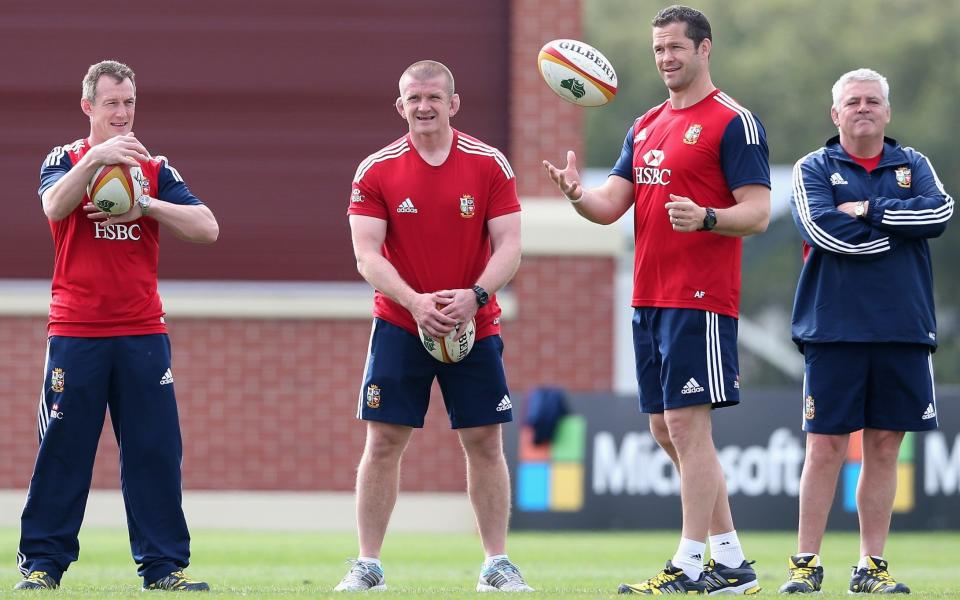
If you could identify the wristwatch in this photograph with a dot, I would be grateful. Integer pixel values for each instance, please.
(144, 202)
(482, 296)
(860, 209)
(710, 220)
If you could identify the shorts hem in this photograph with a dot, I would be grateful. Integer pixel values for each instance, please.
(391, 422)
(712, 405)
(483, 423)
(847, 430)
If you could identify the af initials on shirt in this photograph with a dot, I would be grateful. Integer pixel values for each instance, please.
(702, 152)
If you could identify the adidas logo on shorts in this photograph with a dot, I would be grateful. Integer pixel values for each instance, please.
(691, 387)
(930, 413)
(504, 404)
(167, 378)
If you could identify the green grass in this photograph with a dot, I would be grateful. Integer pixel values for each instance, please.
(559, 565)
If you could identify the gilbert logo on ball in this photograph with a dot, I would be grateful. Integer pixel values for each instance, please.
(577, 72)
(453, 347)
(114, 188)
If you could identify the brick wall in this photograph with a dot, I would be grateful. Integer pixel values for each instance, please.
(542, 125)
(269, 404)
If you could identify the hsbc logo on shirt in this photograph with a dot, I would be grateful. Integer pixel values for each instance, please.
(652, 174)
(119, 231)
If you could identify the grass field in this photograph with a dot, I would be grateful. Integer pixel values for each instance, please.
(559, 565)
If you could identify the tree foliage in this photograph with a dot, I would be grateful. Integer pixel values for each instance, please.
(780, 58)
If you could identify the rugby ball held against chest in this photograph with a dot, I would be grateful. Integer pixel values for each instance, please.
(577, 72)
(114, 188)
(453, 347)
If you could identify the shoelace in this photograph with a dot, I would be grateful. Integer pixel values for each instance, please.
(883, 575)
(181, 577)
(357, 571)
(801, 574)
(37, 576)
(509, 571)
(660, 578)
(712, 565)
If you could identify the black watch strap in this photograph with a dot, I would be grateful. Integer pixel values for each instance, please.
(482, 296)
(709, 220)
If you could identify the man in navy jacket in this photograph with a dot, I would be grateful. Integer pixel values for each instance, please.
(864, 319)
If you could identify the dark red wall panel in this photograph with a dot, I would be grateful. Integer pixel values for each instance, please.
(266, 108)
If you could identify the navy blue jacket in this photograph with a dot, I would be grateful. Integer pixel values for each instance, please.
(869, 279)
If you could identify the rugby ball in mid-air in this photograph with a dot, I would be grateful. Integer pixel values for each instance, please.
(453, 347)
(577, 72)
(114, 188)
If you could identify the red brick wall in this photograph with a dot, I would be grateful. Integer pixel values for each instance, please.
(269, 404)
(542, 125)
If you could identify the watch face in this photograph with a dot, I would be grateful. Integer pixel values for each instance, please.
(710, 220)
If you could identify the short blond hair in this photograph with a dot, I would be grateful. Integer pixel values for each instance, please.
(428, 69)
(113, 68)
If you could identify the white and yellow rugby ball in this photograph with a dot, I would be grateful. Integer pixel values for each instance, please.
(577, 72)
(453, 347)
(114, 188)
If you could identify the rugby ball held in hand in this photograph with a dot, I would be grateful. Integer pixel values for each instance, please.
(577, 72)
(114, 188)
(453, 347)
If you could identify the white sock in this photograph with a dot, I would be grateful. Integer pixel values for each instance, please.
(689, 557)
(491, 559)
(367, 559)
(868, 562)
(725, 549)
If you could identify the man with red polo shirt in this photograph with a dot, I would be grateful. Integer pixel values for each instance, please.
(108, 347)
(436, 231)
(695, 171)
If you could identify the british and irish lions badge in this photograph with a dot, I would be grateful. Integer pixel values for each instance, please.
(373, 395)
(56, 380)
(467, 206)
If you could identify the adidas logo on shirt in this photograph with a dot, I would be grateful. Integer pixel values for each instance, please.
(837, 179)
(407, 207)
(691, 387)
(504, 404)
(167, 378)
(930, 413)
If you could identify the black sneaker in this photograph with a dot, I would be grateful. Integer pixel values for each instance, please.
(670, 580)
(875, 579)
(721, 579)
(806, 575)
(178, 582)
(37, 580)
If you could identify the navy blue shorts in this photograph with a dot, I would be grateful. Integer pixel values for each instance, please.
(849, 386)
(685, 357)
(400, 372)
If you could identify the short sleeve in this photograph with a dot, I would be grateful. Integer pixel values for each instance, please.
(54, 166)
(624, 166)
(170, 185)
(744, 156)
